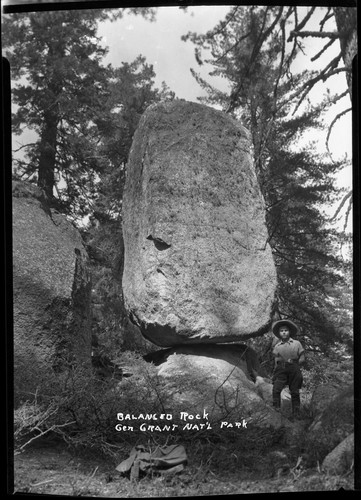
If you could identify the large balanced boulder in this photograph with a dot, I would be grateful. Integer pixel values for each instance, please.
(197, 265)
(51, 289)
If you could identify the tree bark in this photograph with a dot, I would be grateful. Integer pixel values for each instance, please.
(346, 22)
(48, 138)
(46, 177)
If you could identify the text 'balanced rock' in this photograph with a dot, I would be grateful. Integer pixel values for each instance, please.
(197, 265)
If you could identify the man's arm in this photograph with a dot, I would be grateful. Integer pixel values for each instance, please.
(276, 355)
(302, 358)
(301, 354)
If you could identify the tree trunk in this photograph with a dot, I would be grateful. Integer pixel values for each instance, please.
(46, 177)
(47, 150)
(346, 22)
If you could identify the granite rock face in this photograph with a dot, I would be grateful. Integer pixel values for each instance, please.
(197, 265)
(51, 287)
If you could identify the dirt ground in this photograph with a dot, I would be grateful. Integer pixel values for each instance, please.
(55, 470)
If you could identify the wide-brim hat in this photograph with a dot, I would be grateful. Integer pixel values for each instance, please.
(284, 322)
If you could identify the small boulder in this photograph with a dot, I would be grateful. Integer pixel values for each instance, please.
(341, 458)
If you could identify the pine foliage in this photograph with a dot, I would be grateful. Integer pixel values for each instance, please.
(84, 114)
(248, 48)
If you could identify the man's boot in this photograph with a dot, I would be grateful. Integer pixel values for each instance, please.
(277, 402)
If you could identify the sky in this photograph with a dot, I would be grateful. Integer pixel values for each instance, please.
(160, 42)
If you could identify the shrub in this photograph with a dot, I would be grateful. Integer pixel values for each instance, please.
(323, 370)
(82, 409)
(29, 375)
(334, 424)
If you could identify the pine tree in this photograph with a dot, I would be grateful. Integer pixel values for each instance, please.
(249, 49)
(85, 115)
(63, 94)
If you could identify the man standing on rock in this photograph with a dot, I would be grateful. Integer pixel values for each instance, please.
(289, 355)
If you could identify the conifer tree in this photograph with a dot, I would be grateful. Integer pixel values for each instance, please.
(63, 94)
(248, 48)
(84, 114)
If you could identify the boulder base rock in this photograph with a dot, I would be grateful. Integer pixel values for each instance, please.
(51, 289)
(197, 265)
(214, 379)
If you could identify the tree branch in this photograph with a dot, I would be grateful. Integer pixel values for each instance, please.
(269, 30)
(232, 47)
(315, 34)
(345, 198)
(231, 16)
(259, 42)
(311, 83)
(280, 67)
(302, 23)
(328, 16)
(347, 214)
(328, 44)
(24, 146)
(332, 124)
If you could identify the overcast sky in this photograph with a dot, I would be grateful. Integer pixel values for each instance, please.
(160, 42)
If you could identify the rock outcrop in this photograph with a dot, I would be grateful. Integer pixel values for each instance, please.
(51, 288)
(198, 268)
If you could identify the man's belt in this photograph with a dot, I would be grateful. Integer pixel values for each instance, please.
(284, 364)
